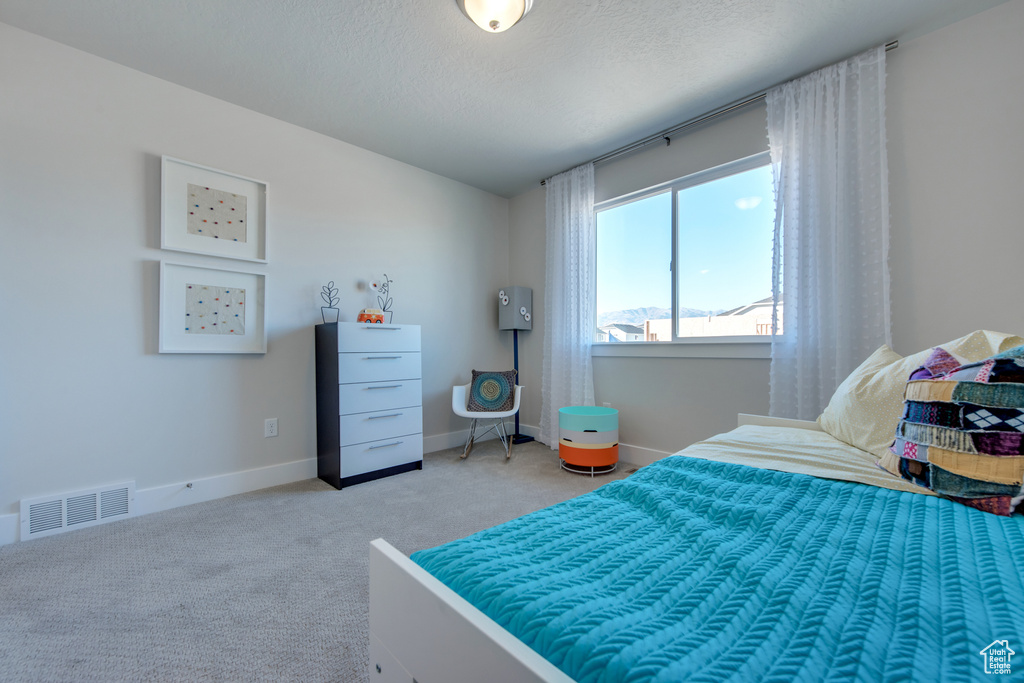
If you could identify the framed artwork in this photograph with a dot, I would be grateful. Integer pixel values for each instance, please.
(206, 211)
(211, 310)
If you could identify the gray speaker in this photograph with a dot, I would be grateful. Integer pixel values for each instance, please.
(515, 308)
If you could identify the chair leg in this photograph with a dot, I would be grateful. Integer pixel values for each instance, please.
(469, 442)
(506, 440)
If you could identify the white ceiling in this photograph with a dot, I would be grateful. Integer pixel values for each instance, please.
(415, 80)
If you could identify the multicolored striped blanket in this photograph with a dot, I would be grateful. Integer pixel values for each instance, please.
(962, 431)
(692, 570)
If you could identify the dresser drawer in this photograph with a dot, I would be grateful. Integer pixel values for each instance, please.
(354, 368)
(366, 398)
(379, 337)
(376, 455)
(384, 424)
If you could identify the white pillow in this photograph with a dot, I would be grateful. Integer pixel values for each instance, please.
(866, 408)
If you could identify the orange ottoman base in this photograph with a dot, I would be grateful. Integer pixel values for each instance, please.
(589, 457)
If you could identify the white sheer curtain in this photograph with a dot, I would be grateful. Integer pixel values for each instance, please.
(831, 261)
(569, 297)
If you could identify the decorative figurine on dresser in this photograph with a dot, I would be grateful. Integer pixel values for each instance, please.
(369, 401)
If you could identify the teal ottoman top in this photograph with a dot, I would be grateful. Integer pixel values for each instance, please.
(588, 419)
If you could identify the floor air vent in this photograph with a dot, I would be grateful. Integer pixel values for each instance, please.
(76, 510)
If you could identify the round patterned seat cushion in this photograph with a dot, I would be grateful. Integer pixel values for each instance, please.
(492, 391)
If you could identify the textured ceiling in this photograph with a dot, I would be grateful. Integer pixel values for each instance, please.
(415, 80)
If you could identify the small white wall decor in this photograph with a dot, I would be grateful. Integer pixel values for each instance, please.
(211, 310)
(206, 211)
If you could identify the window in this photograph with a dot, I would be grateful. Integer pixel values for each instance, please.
(718, 283)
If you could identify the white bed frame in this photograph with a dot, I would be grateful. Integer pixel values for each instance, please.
(421, 631)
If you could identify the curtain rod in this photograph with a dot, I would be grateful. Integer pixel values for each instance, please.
(667, 134)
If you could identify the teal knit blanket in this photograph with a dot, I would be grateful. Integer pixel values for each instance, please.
(692, 570)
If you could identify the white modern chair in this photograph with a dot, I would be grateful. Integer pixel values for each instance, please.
(460, 399)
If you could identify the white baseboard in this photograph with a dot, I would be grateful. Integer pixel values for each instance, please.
(9, 525)
(441, 442)
(634, 455)
(170, 496)
(175, 495)
(640, 456)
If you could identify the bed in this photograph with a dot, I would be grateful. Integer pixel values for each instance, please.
(791, 556)
(782, 550)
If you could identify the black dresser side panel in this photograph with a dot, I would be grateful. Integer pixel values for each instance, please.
(328, 439)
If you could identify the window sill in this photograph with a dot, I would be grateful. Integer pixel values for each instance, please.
(721, 347)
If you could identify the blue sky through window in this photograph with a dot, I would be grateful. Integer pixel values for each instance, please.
(634, 252)
(725, 246)
(725, 241)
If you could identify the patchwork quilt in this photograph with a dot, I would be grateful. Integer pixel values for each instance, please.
(962, 431)
(693, 570)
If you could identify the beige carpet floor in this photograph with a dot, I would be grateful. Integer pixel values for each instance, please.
(265, 586)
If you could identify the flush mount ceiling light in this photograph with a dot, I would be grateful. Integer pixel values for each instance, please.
(495, 16)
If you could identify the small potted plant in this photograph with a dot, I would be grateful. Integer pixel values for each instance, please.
(330, 295)
(384, 300)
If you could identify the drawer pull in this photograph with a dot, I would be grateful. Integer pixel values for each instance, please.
(382, 358)
(385, 445)
(378, 326)
(381, 417)
(389, 386)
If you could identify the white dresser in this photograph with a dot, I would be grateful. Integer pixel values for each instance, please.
(369, 401)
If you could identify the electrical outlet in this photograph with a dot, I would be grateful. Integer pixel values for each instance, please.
(270, 427)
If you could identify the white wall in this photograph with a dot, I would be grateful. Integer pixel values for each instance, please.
(955, 99)
(85, 399)
(526, 269)
(732, 136)
(954, 103)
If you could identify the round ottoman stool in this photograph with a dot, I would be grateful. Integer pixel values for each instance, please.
(588, 439)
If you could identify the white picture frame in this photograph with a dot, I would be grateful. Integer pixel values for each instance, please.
(177, 307)
(177, 233)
